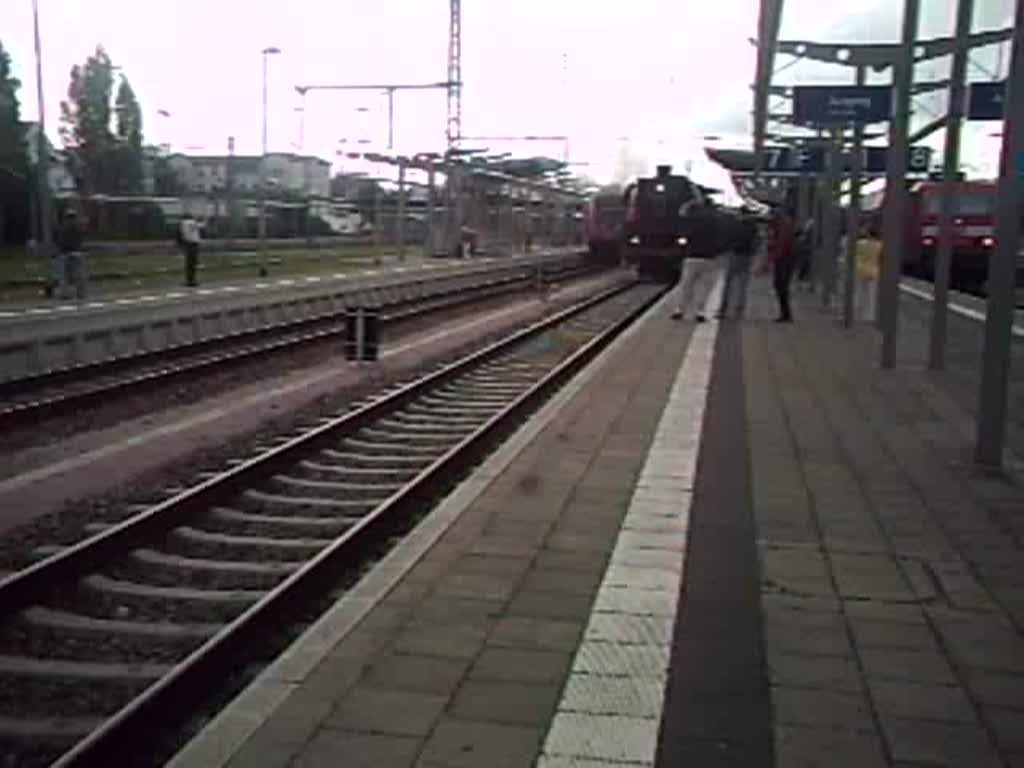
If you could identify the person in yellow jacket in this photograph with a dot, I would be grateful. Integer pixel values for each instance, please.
(869, 264)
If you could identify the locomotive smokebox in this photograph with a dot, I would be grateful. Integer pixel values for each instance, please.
(663, 171)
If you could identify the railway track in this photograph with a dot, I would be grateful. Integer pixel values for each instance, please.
(132, 629)
(54, 393)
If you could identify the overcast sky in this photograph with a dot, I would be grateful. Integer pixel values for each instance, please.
(662, 73)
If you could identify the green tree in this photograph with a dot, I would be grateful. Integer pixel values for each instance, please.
(101, 160)
(14, 170)
(128, 150)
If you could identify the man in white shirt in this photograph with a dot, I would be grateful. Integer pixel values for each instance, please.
(189, 238)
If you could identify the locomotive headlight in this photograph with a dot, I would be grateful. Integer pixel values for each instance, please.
(634, 240)
(659, 187)
(682, 241)
(988, 242)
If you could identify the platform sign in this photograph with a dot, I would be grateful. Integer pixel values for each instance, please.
(795, 161)
(841, 104)
(985, 101)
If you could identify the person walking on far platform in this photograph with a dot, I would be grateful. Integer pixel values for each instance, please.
(189, 238)
(782, 258)
(70, 259)
(742, 246)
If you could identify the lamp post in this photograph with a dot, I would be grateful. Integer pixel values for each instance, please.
(263, 163)
(43, 157)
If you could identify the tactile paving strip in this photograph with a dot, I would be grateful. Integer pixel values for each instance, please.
(611, 706)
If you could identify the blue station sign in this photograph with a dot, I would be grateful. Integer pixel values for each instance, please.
(985, 101)
(841, 104)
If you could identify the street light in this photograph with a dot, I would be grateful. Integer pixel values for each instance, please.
(263, 163)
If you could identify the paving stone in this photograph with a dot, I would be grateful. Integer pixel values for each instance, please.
(594, 543)
(420, 674)
(889, 634)
(807, 640)
(901, 664)
(984, 644)
(507, 546)
(783, 605)
(996, 689)
(869, 576)
(505, 702)
(1008, 725)
(469, 744)
(488, 586)
(812, 707)
(887, 612)
(358, 750)
(550, 605)
(583, 561)
(804, 747)
(506, 566)
(521, 666)
(539, 634)
(795, 570)
(829, 672)
(955, 745)
(458, 610)
(921, 700)
(561, 580)
(455, 641)
(378, 710)
(602, 737)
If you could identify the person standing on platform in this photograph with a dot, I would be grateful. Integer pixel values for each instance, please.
(742, 246)
(70, 259)
(782, 258)
(189, 238)
(868, 268)
(699, 261)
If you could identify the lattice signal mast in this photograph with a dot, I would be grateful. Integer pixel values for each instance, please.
(454, 126)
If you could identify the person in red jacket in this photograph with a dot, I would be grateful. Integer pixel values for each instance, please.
(782, 258)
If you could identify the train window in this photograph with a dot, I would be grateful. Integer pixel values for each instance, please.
(975, 202)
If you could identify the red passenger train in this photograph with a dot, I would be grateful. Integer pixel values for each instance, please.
(973, 228)
(605, 215)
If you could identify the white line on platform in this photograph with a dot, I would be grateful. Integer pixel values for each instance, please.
(173, 295)
(39, 311)
(613, 701)
(957, 309)
(66, 308)
(96, 304)
(285, 281)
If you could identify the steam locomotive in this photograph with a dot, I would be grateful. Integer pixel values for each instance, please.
(666, 216)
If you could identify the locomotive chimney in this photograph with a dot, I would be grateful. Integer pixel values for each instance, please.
(664, 170)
